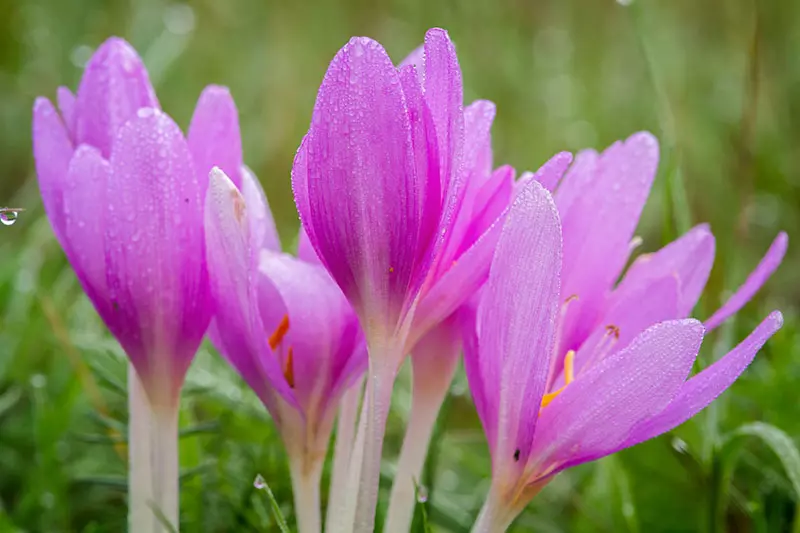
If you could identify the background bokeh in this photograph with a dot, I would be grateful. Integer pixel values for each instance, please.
(717, 81)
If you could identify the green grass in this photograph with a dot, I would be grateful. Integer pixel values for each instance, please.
(717, 81)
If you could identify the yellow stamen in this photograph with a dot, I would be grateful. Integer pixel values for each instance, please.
(569, 367)
(288, 368)
(569, 377)
(280, 332)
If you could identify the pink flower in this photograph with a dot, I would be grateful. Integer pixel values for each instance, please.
(282, 323)
(123, 189)
(564, 366)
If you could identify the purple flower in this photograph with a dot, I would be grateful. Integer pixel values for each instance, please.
(280, 321)
(564, 366)
(123, 189)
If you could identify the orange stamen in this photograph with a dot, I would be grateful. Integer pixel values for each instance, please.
(569, 377)
(288, 368)
(280, 332)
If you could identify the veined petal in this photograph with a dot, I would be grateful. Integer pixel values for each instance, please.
(214, 137)
(549, 175)
(155, 246)
(114, 86)
(702, 389)
(85, 225)
(305, 250)
(66, 105)
(262, 226)
(594, 415)
(516, 317)
(630, 312)
(479, 388)
(491, 204)
(689, 258)
(319, 321)
(52, 150)
(754, 281)
(599, 226)
(363, 191)
(576, 181)
(243, 339)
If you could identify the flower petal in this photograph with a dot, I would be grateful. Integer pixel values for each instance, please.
(52, 151)
(84, 196)
(155, 245)
(362, 189)
(262, 226)
(755, 280)
(479, 388)
(549, 175)
(242, 337)
(214, 137)
(599, 226)
(114, 86)
(576, 181)
(516, 317)
(690, 258)
(702, 389)
(594, 415)
(66, 105)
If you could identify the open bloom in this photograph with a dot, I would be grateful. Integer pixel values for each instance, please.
(124, 190)
(554, 390)
(284, 325)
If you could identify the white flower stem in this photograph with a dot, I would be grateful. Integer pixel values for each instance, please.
(365, 463)
(345, 434)
(494, 516)
(432, 374)
(305, 486)
(153, 461)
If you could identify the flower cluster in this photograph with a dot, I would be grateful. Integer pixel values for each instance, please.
(412, 243)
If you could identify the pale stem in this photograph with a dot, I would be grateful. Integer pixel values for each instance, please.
(431, 382)
(153, 461)
(345, 433)
(494, 517)
(305, 486)
(364, 472)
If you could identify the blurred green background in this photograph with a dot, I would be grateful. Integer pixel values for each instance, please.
(718, 81)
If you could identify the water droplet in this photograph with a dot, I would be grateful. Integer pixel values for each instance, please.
(422, 494)
(145, 112)
(679, 445)
(8, 217)
(260, 483)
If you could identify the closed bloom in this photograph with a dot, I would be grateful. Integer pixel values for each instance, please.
(124, 189)
(284, 325)
(564, 366)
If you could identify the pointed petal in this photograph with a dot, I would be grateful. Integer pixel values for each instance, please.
(415, 58)
(241, 332)
(491, 205)
(445, 97)
(593, 416)
(599, 227)
(630, 312)
(755, 280)
(52, 151)
(362, 188)
(516, 317)
(484, 405)
(704, 388)
(66, 105)
(84, 196)
(214, 137)
(576, 181)
(549, 175)
(155, 244)
(262, 226)
(689, 258)
(114, 86)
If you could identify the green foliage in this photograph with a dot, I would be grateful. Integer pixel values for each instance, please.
(710, 79)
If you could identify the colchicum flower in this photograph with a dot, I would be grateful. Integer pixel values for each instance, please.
(124, 190)
(284, 325)
(566, 368)
(381, 186)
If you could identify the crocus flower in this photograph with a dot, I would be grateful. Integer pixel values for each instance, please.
(285, 326)
(554, 391)
(123, 190)
(381, 186)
